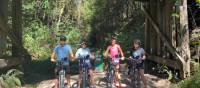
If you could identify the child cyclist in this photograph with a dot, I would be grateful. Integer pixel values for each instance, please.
(83, 52)
(137, 52)
(115, 50)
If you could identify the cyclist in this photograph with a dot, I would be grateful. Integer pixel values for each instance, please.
(62, 51)
(137, 52)
(113, 50)
(82, 52)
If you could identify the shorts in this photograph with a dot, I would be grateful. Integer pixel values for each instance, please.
(116, 61)
(88, 65)
(140, 65)
(66, 68)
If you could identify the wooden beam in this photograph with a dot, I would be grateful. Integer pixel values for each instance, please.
(171, 48)
(9, 62)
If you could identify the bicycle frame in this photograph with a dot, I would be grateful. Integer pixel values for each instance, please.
(135, 79)
(85, 76)
(110, 75)
(61, 78)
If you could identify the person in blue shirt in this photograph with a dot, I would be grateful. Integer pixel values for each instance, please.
(64, 52)
(80, 54)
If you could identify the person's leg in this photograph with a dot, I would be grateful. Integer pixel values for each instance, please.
(79, 80)
(91, 77)
(104, 64)
(68, 79)
(143, 78)
(118, 77)
(68, 75)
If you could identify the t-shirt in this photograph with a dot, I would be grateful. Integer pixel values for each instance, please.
(62, 51)
(82, 52)
(137, 53)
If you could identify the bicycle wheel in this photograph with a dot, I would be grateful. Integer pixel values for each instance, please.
(61, 79)
(135, 79)
(83, 81)
(112, 78)
(87, 79)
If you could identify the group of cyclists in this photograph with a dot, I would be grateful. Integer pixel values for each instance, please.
(64, 51)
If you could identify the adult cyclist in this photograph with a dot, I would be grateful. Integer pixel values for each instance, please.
(83, 52)
(62, 51)
(114, 50)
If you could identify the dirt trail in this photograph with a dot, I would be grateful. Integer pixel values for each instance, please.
(153, 82)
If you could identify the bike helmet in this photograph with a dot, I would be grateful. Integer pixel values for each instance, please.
(63, 38)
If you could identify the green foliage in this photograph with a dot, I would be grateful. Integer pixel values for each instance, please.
(11, 79)
(166, 72)
(46, 20)
(194, 66)
(191, 82)
(37, 39)
(198, 3)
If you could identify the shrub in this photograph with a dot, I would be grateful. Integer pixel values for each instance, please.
(10, 79)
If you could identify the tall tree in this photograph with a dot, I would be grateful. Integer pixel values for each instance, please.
(17, 24)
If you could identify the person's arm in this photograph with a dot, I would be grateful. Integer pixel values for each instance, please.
(76, 54)
(143, 55)
(53, 55)
(106, 52)
(120, 50)
(130, 54)
(71, 55)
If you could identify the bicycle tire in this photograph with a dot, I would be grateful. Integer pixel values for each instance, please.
(61, 79)
(135, 80)
(84, 81)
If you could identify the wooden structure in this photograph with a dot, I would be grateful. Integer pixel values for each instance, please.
(15, 46)
(167, 34)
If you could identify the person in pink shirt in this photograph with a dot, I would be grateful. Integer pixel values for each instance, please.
(114, 50)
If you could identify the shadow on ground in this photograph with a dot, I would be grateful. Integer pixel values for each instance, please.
(40, 70)
(37, 71)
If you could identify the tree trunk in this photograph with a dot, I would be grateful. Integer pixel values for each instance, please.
(4, 15)
(183, 39)
(17, 25)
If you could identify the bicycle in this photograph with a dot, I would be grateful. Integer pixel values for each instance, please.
(135, 78)
(61, 77)
(85, 79)
(111, 69)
